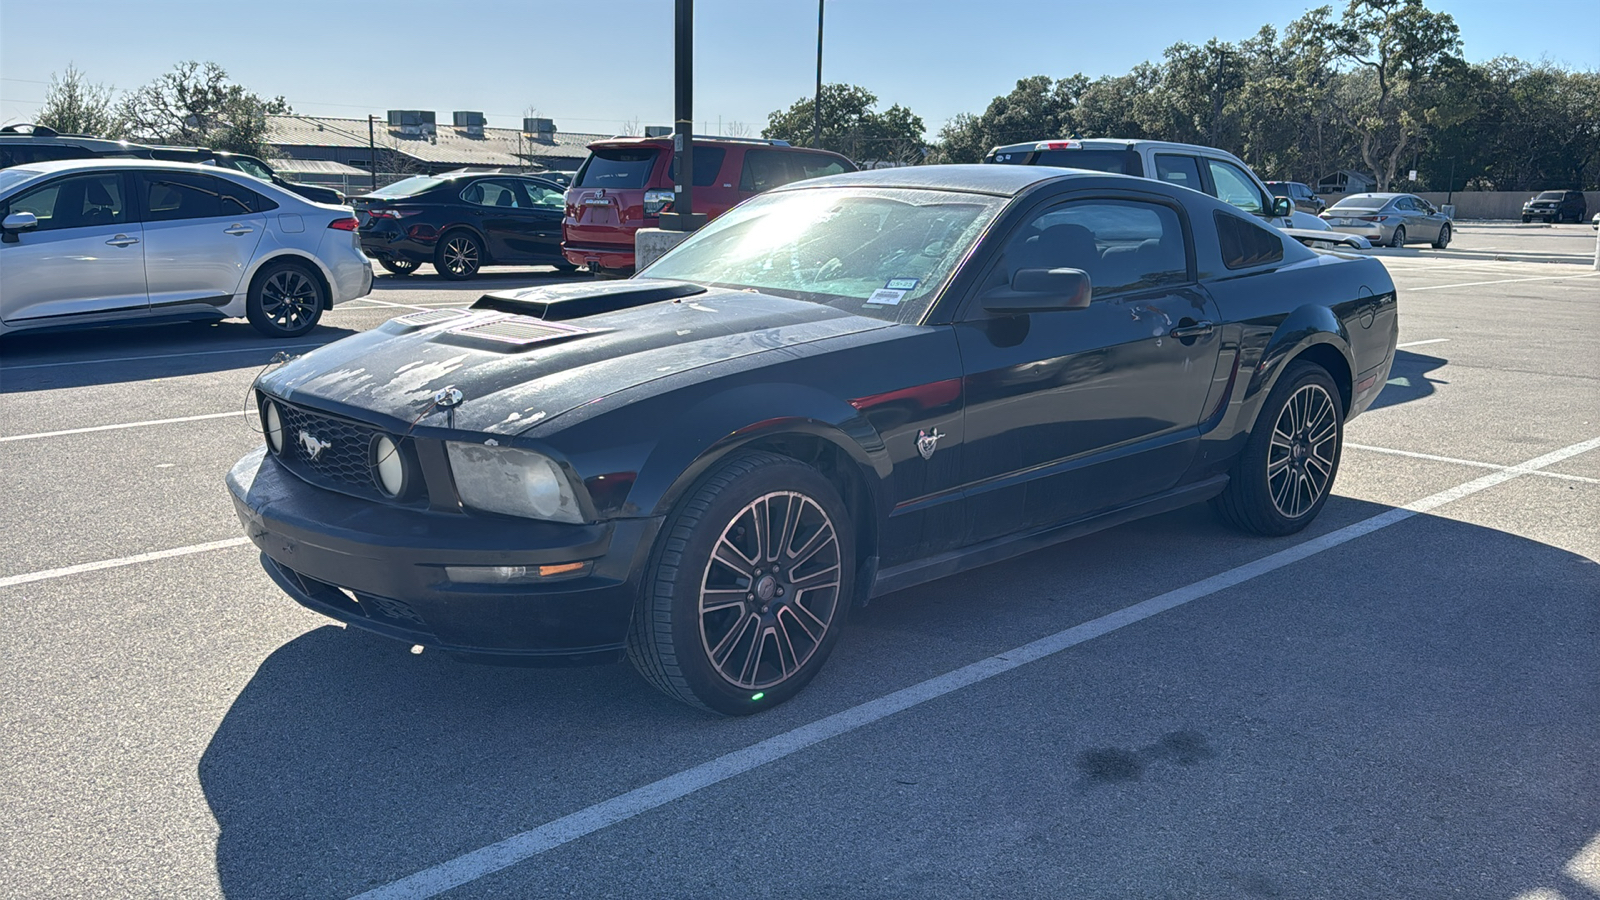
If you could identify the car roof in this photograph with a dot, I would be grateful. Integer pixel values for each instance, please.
(1105, 143)
(1003, 181)
(62, 166)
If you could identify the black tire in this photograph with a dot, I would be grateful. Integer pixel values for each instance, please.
(286, 299)
(1286, 472)
(1527, 219)
(399, 266)
(1444, 237)
(758, 610)
(459, 255)
(1399, 239)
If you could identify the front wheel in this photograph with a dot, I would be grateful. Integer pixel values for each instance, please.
(1282, 479)
(1527, 219)
(749, 587)
(285, 300)
(1444, 237)
(1399, 239)
(459, 256)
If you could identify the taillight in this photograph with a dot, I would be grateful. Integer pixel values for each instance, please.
(348, 223)
(1371, 218)
(656, 202)
(386, 213)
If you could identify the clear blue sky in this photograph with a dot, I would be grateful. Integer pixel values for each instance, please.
(593, 64)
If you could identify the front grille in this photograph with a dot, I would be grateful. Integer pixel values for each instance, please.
(328, 451)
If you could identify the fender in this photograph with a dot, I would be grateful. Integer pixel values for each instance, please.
(723, 422)
(1307, 326)
(274, 255)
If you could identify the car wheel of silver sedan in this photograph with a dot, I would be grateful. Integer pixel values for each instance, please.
(285, 300)
(1444, 237)
(751, 583)
(1399, 239)
(1283, 478)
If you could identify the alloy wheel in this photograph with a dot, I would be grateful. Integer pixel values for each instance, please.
(289, 299)
(1300, 459)
(461, 255)
(770, 591)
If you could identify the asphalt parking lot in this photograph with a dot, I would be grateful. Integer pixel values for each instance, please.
(1404, 701)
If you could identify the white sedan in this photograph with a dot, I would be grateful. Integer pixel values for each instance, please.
(107, 241)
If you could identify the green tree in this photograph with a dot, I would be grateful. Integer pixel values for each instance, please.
(72, 105)
(195, 104)
(1039, 107)
(851, 126)
(1399, 46)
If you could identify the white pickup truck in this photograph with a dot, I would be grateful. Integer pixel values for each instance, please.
(1205, 169)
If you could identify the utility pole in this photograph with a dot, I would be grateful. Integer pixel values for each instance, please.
(683, 216)
(372, 153)
(816, 102)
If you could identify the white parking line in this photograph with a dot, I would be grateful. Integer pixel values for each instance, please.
(478, 863)
(1466, 462)
(113, 359)
(1440, 287)
(45, 434)
(1420, 343)
(47, 574)
(344, 306)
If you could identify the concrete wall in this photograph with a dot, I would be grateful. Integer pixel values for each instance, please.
(1485, 204)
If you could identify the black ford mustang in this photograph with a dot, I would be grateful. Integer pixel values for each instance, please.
(841, 388)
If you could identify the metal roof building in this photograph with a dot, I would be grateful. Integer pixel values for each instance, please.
(408, 142)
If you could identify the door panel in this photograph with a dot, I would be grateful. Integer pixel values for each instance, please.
(85, 258)
(200, 236)
(1072, 412)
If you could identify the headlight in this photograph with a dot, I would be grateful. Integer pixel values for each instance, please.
(272, 423)
(511, 481)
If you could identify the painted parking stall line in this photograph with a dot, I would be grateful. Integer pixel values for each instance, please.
(503, 854)
(1420, 343)
(63, 572)
(117, 359)
(1479, 464)
(1440, 287)
(118, 427)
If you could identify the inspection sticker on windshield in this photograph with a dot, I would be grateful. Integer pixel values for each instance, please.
(886, 297)
(902, 284)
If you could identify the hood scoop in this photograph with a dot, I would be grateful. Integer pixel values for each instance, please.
(560, 302)
(517, 331)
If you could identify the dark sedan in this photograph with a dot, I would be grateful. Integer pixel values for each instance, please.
(460, 223)
(841, 388)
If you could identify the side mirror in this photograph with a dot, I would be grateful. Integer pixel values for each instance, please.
(1041, 290)
(1281, 207)
(16, 222)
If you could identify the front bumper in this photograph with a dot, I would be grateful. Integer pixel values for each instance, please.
(381, 567)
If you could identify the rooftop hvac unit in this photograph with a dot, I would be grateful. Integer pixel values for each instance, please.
(472, 122)
(413, 121)
(541, 129)
(657, 130)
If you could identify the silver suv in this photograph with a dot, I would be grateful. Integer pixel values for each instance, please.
(1205, 169)
(101, 241)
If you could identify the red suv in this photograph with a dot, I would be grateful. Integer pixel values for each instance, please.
(627, 182)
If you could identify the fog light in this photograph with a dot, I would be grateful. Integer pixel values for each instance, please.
(517, 574)
(274, 426)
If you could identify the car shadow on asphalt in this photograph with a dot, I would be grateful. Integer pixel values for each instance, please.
(1408, 379)
(38, 361)
(1429, 719)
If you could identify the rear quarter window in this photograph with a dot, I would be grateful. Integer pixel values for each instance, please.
(707, 164)
(1245, 244)
(619, 167)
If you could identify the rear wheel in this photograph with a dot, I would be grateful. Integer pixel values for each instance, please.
(1444, 237)
(398, 266)
(1399, 239)
(1282, 479)
(748, 589)
(285, 300)
(459, 256)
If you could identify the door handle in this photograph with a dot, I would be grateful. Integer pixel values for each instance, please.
(1191, 331)
(122, 240)
(238, 230)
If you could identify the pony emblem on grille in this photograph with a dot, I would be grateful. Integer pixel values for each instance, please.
(312, 445)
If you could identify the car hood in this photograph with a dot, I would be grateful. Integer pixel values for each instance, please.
(517, 369)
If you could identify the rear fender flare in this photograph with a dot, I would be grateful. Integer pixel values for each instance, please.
(1309, 326)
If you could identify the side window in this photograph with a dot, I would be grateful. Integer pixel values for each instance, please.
(1236, 188)
(1124, 245)
(1179, 170)
(75, 202)
(169, 196)
(490, 192)
(815, 165)
(236, 200)
(540, 196)
(1246, 244)
(707, 163)
(763, 171)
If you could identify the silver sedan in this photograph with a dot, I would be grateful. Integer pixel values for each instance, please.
(103, 241)
(1391, 219)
